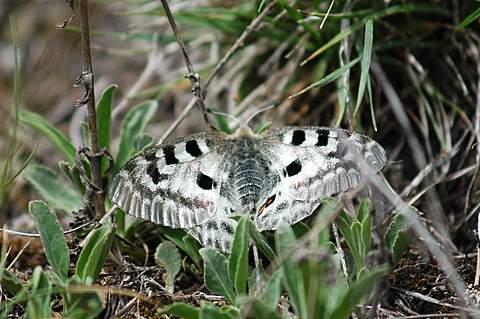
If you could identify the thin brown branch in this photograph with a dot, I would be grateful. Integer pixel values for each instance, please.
(192, 75)
(253, 26)
(98, 196)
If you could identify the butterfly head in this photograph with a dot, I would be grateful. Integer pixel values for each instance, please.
(244, 131)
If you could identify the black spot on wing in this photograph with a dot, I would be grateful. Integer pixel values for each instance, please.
(193, 149)
(169, 153)
(152, 171)
(205, 182)
(322, 139)
(293, 168)
(227, 228)
(150, 157)
(298, 137)
(211, 225)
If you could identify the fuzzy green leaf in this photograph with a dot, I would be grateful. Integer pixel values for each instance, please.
(181, 310)
(216, 274)
(167, 255)
(257, 309)
(191, 248)
(61, 143)
(271, 291)
(10, 282)
(53, 189)
(185, 242)
(366, 235)
(238, 259)
(210, 311)
(53, 241)
(260, 241)
(94, 253)
(104, 115)
(135, 122)
(396, 238)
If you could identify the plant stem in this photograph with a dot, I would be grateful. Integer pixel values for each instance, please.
(99, 194)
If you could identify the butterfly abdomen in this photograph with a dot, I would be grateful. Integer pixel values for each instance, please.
(248, 175)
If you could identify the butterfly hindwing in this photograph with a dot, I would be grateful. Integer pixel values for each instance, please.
(311, 163)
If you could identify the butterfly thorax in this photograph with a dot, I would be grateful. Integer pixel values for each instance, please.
(248, 174)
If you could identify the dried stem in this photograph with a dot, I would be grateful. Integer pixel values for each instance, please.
(253, 26)
(192, 75)
(88, 79)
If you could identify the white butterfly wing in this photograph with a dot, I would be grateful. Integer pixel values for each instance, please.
(308, 164)
(176, 184)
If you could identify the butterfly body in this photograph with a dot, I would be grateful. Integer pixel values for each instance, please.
(198, 182)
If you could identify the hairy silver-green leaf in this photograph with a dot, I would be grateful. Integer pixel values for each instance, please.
(216, 274)
(167, 255)
(53, 189)
(52, 237)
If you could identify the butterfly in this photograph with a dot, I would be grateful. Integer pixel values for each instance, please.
(279, 177)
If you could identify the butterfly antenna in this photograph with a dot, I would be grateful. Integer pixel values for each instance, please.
(226, 115)
(260, 111)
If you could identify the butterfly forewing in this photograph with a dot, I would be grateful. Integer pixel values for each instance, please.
(174, 184)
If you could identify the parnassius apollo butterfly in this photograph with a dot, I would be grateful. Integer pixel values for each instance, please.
(197, 182)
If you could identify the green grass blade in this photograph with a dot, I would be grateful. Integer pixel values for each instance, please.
(38, 306)
(21, 169)
(292, 274)
(366, 59)
(370, 102)
(61, 143)
(473, 16)
(329, 78)
(53, 240)
(336, 39)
